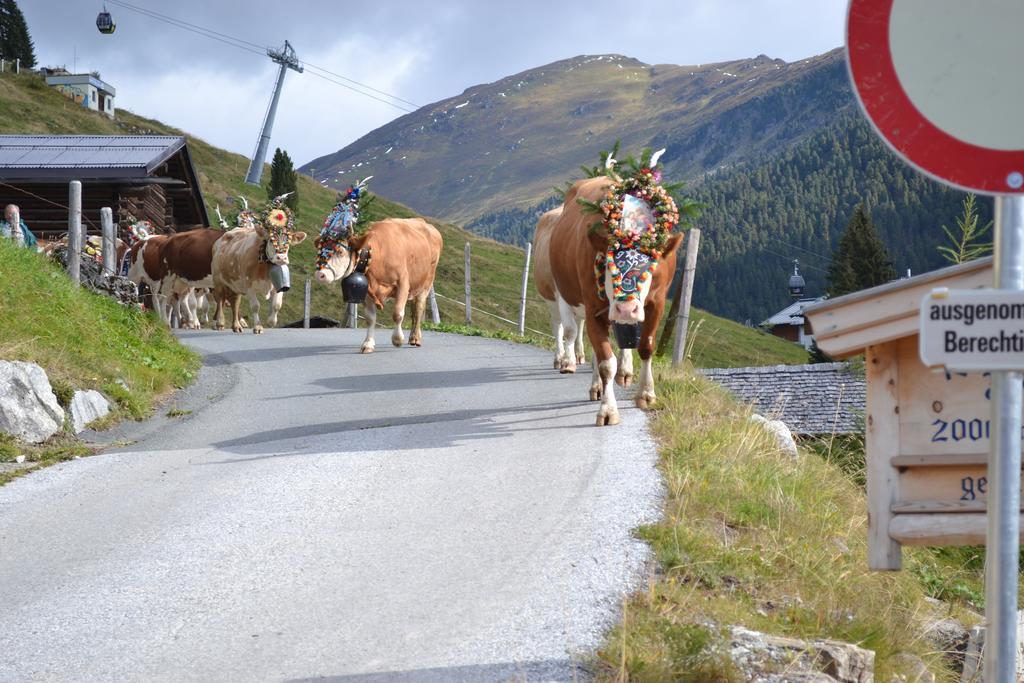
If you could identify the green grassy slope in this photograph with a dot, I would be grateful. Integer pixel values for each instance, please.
(28, 106)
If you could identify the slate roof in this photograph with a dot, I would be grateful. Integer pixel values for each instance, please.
(98, 156)
(792, 314)
(811, 399)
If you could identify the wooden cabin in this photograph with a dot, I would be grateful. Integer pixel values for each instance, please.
(140, 177)
(927, 429)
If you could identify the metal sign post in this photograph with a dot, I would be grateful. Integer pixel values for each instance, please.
(1003, 537)
(910, 62)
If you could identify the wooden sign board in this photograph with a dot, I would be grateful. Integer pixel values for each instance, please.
(927, 446)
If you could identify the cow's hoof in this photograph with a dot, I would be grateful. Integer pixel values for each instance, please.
(366, 348)
(595, 392)
(580, 360)
(624, 379)
(237, 329)
(397, 342)
(220, 327)
(645, 400)
(607, 418)
(567, 367)
(415, 342)
(258, 329)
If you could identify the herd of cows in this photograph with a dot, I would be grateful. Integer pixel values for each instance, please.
(189, 271)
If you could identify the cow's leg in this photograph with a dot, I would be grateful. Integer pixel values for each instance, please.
(569, 327)
(645, 397)
(255, 301)
(604, 366)
(557, 330)
(371, 324)
(419, 309)
(580, 355)
(191, 305)
(624, 374)
(401, 297)
(276, 301)
(236, 307)
(596, 388)
(203, 305)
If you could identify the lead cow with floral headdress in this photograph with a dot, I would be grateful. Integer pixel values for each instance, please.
(616, 270)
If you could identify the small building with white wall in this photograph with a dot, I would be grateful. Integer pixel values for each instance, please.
(87, 90)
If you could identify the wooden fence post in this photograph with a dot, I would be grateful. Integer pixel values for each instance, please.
(469, 305)
(306, 302)
(435, 314)
(522, 296)
(692, 244)
(109, 241)
(75, 231)
(17, 65)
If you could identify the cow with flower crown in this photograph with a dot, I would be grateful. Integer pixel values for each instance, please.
(391, 259)
(247, 262)
(614, 272)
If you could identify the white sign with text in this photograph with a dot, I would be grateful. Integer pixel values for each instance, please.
(975, 329)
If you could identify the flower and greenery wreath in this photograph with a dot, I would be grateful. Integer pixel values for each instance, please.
(279, 222)
(342, 223)
(638, 214)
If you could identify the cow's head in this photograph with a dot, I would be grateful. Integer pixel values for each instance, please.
(624, 270)
(333, 251)
(334, 246)
(275, 225)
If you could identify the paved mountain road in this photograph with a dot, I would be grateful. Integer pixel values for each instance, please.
(443, 513)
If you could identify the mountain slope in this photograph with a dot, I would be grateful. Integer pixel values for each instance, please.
(506, 144)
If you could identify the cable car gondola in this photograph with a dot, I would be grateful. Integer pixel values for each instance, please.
(104, 22)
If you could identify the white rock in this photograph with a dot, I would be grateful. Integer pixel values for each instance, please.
(28, 406)
(778, 429)
(20, 459)
(87, 406)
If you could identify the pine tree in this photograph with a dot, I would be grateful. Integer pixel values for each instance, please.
(283, 179)
(861, 261)
(15, 40)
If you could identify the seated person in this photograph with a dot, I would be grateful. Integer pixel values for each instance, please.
(12, 227)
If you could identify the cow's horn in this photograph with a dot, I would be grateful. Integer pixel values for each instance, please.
(609, 164)
(245, 202)
(656, 157)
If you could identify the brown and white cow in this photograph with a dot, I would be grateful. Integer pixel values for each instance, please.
(146, 265)
(188, 259)
(241, 267)
(566, 359)
(404, 253)
(573, 250)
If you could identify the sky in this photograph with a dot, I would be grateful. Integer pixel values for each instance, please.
(421, 51)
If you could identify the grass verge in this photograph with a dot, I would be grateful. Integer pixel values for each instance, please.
(751, 537)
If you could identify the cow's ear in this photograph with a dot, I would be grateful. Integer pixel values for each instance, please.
(260, 230)
(598, 237)
(356, 243)
(298, 237)
(673, 243)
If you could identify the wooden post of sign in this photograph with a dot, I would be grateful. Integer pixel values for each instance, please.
(692, 244)
(522, 296)
(109, 240)
(75, 231)
(469, 305)
(882, 437)
(435, 314)
(306, 303)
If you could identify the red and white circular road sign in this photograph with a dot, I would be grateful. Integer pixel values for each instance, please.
(942, 81)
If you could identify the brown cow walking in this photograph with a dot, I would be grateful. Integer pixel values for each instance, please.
(404, 253)
(573, 250)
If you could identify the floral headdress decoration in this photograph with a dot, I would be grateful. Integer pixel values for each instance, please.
(279, 222)
(638, 214)
(342, 223)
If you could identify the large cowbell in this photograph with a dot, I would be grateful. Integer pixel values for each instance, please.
(355, 286)
(280, 277)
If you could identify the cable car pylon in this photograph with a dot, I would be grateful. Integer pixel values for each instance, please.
(287, 59)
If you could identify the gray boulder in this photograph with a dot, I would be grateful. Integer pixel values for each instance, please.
(87, 406)
(773, 659)
(28, 406)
